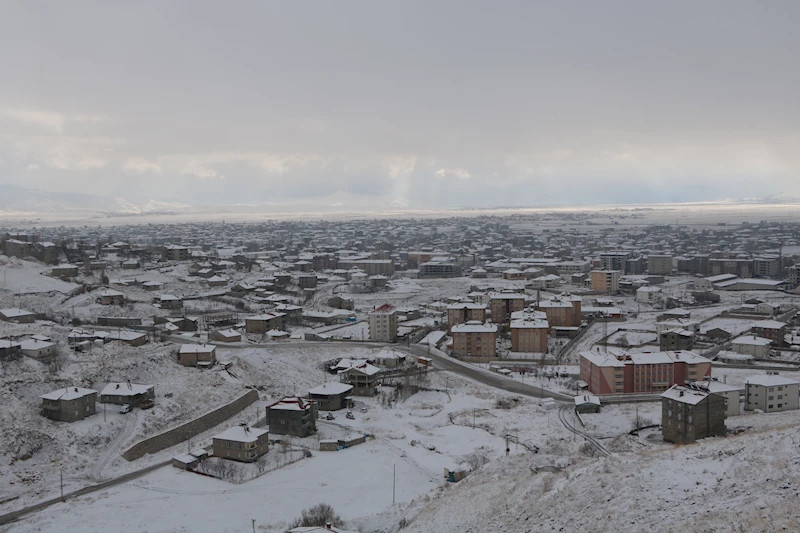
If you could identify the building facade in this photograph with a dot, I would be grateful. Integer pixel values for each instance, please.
(383, 324)
(69, 404)
(605, 281)
(689, 414)
(771, 393)
(475, 339)
(529, 336)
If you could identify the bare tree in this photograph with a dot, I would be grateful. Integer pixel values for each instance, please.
(318, 516)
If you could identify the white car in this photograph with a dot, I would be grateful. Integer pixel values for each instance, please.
(126, 409)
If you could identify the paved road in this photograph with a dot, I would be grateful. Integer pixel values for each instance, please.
(478, 374)
(11, 517)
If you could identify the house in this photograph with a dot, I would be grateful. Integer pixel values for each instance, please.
(771, 393)
(217, 281)
(241, 443)
(68, 404)
(225, 335)
(38, 348)
(688, 414)
(675, 339)
(390, 358)
(202, 355)
(130, 264)
(261, 324)
(131, 338)
(20, 316)
(383, 324)
(513, 274)
(363, 378)
(587, 403)
(766, 308)
(111, 297)
(177, 253)
(169, 301)
(548, 281)
(64, 271)
(8, 348)
(293, 416)
(529, 336)
(331, 396)
(127, 393)
(758, 347)
(151, 285)
(475, 339)
(770, 329)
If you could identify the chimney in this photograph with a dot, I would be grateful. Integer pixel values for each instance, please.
(681, 394)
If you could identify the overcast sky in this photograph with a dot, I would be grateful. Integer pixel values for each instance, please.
(430, 103)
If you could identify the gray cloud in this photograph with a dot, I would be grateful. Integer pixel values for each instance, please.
(453, 103)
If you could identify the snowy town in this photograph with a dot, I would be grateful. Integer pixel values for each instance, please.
(396, 369)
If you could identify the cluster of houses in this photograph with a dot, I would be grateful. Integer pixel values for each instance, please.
(70, 404)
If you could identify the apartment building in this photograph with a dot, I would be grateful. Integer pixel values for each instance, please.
(618, 372)
(504, 303)
(614, 261)
(605, 281)
(465, 312)
(659, 264)
(562, 311)
(529, 336)
(771, 393)
(758, 347)
(383, 324)
(767, 267)
(689, 414)
(772, 330)
(475, 339)
(293, 416)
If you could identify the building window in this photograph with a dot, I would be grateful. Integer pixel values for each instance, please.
(769, 406)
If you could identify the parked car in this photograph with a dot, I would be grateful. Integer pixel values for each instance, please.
(330, 417)
(146, 404)
(350, 415)
(126, 409)
(364, 409)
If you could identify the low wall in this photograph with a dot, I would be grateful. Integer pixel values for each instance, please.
(188, 430)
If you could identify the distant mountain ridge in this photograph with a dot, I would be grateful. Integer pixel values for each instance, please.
(15, 199)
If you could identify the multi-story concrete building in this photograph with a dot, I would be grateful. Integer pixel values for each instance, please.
(794, 275)
(740, 267)
(331, 396)
(529, 336)
(383, 324)
(771, 393)
(772, 330)
(659, 264)
(371, 267)
(440, 267)
(174, 252)
(502, 304)
(614, 261)
(767, 267)
(197, 355)
(675, 339)
(68, 404)
(363, 377)
(293, 416)
(475, 339)
(465, 312)
(261, 324)
(648, 294)
(241, 443)
(619, 372)
(563, 311)
(688, 414)
(605, 281)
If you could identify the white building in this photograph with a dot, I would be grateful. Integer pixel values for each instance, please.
(731, 394)
(648, 295)
(758, 347)
(383, 324)
(771, 393)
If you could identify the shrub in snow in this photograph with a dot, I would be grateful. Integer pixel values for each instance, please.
(318, 516)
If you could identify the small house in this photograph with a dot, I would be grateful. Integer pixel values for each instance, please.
(111, 297)
(69, 404)
(8, 348)
(20, 316)
(587, 403)
(331, 396)
(202, 355)
(390, 358)
(38, 348)
(169, 301)
(241, 443)
(127, 393)
(363, 378)
(261, 324)
(293, 416)
(225, 335)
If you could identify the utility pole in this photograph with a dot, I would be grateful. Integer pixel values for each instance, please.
(62, 483)
(394, 482)
(254, 525)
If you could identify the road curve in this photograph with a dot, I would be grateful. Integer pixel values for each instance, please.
(483, 376)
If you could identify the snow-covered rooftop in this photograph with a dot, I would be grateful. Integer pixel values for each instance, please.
(331, 388)
(241, 434)
(125, 389)
(68, 393)
(684, 395)
(770, 380)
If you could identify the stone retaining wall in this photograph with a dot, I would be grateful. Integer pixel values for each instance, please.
(188, 430)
